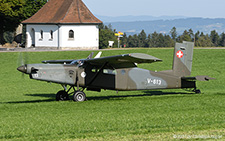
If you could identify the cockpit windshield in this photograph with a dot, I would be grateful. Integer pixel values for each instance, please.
(77, 62)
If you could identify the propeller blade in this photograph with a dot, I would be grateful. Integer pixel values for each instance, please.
(21, 62)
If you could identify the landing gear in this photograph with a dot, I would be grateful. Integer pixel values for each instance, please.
(79, 96)
(62, 95)
(197, 91)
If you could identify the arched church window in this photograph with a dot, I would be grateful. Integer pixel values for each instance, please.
(41, 34)
(71, 34)
(51, 34)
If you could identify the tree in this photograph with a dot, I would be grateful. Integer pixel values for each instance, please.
(124, 40)
(161, 40)
(222, 40)
(133, 40)
(191, 34)
(32, 6)
(142, 39)
(105, 35)
(197, 34)
(184, 37)
(173, 33)
(12, 12)
(169, 42)
(203, 41)
(214, 38)
(154, 39)
(148, 40)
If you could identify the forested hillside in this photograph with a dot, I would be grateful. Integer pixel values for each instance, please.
(155, 39)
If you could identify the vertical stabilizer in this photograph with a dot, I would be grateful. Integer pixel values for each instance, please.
(182, 60)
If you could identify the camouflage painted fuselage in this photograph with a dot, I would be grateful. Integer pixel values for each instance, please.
(118, 79)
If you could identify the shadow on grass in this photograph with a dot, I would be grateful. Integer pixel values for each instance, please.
(146, 93)
(42, 95)
(50, 96)
(95, 98)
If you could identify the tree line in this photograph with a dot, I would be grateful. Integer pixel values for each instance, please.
(159, 39)
(12, 12)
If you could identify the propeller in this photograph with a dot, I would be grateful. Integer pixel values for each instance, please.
(21, 62)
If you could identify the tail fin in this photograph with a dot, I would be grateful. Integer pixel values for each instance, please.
(182, 60)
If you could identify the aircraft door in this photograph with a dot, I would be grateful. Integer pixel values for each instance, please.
(121, 79)
(81, 74)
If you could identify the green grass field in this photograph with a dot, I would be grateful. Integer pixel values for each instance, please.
(28, 110)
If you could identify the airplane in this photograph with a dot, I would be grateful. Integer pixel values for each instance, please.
(118, 73)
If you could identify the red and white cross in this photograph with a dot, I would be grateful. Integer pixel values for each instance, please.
(180, 54)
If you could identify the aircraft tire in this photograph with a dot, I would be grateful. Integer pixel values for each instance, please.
(79, 96)
(198, 91)
(62, 95)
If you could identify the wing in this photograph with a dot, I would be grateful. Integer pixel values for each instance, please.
(58, 61)
(122, 61)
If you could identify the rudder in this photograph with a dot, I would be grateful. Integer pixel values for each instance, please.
(182, 60)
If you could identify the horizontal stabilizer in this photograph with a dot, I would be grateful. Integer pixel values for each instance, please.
(200, 78)
(204, 78)
(98, 55)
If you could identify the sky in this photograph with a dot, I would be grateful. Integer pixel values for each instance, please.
(188, 8)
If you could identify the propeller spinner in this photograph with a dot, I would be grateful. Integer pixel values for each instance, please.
(22, 68)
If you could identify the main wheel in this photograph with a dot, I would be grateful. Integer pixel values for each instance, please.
(62, 95)
(79, 96)
(198, 91)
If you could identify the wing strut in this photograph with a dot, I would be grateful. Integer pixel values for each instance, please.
(94, 77)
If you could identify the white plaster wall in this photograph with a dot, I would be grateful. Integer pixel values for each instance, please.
(46, 41)
(84, 36)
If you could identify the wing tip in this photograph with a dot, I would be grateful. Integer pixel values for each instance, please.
(145, 57)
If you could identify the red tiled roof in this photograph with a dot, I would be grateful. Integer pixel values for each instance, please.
(64, 12)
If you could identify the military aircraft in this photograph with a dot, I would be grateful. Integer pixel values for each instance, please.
(115, 73)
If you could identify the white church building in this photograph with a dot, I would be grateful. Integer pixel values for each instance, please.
(63, 24)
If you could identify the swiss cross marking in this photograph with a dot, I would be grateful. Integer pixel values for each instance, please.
(180, 54)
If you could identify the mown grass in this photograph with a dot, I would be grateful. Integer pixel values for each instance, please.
(28, 110)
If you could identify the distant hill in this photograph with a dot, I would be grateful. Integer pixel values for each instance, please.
(131, 18)
(164, 26)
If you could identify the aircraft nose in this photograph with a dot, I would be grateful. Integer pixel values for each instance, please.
(22, 69)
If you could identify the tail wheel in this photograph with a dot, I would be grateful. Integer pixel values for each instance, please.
(79, 96)
(62, 95)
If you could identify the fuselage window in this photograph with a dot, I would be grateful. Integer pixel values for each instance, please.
(109, 71)
(123, 72)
